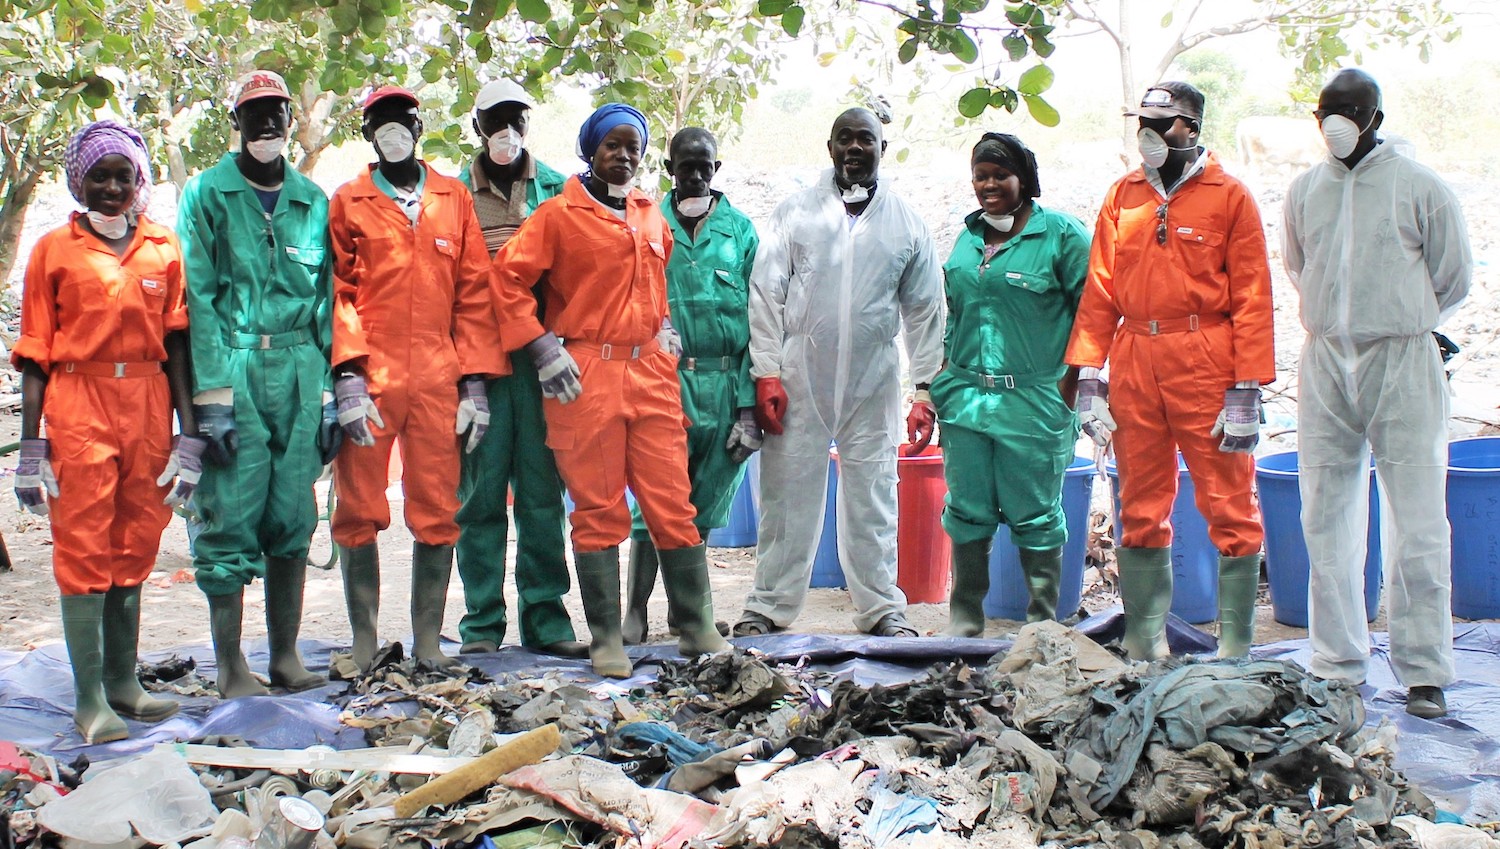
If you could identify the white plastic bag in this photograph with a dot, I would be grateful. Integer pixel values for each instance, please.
(157, 795)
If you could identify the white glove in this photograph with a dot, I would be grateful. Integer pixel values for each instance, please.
(668, 339)
(473, 412)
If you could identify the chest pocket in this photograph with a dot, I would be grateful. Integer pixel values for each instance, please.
(1201, 249)
(310, 256)
(731, 279)
(1029, 281)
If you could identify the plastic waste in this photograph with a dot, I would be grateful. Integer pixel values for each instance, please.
(157, 795)
(1430, 835)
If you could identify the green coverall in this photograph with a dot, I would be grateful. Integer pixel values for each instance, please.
(259, 296)
(513, 453)
(1007, 433)
(708, 297)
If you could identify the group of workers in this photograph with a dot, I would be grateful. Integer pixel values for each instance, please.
(520, 333)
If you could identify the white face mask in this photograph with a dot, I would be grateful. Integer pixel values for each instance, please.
(695, 207)
(855, 194)
(505, 146)
(109, 226)
(618, 191)
(1002, 223)
(1342, 135)
(394, 142)
(266, 151)
(1153, 147)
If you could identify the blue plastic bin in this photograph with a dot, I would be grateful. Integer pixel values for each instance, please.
(744, 517)
(1195, 560)
(1474, 516)
(827, 571)
(1008, 597)
(1287, 566)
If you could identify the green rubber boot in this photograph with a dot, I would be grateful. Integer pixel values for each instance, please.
(122, 632)
(361, 567)
(225, 615)
(690, 601)
(285, 577)
(1239, 579)
(598, 575)
(1146, 592)
(431, 567)
(1043, 570)
(971, 581)
(83, 629)
(638, 588)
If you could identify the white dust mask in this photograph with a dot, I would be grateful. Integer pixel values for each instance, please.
(1341, 135)
(109, 226)
(505, 146)
(266, 151)
(855, 194)
(1152, 146)
(694, 207)
(618, 191)
(394, 142)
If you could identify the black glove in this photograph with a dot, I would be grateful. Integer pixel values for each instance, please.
(330, 433)
(216, 424)
(1446, 347)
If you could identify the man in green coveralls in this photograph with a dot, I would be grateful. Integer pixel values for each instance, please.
(255, 248)
(1013, 282)
(508, 183)
(708, 295)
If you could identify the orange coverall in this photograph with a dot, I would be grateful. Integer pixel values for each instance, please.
(603, 287)
(413, 303)
(87, 315)
(1208, 291)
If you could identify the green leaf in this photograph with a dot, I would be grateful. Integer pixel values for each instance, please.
(1042, 47)
(791, 20)
(972, 103)
(1018, 15)
(905, 53)
(1166, 20)
(773, 8)
(484, 51)
(1015, 45)
(640, 41)
(962, 47)
(1035, 80)
(433, 70)
(1042, 111)
(536, 11)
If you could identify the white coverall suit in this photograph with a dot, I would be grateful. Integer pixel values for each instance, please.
(1381, 257)
(827, 297)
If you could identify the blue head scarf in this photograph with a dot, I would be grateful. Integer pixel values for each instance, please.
(604, 119)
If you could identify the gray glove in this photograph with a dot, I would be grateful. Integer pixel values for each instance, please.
(555, 368)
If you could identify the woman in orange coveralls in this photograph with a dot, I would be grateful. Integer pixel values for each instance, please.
(101, 311)
(606, 356)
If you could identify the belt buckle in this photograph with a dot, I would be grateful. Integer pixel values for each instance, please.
(1154, 326)
(989, 381)
(1193, 323)
(1010, 381)
(68, 367)
(265, 341)
(119, 369)
(605, 350)
(724, 363)
(635, 352)
(689, 363)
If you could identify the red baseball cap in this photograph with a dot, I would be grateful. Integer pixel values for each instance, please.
(258, 84)
(387, 92)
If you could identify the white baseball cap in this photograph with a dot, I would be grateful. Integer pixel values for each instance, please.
(502, 91)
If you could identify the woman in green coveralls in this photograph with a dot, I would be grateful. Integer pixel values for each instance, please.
(1013, 283)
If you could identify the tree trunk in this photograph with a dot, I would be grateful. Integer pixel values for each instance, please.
(1129, 97)
(13, 215)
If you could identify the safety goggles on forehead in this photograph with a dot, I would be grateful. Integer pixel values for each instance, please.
(1351, 112)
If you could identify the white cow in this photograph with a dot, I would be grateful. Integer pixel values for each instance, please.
(1279, 146)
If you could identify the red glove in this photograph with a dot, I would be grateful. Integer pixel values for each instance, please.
(920, 422)
(770, 404)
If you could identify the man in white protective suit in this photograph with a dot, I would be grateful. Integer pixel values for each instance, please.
(843, 266)
(1375, 243)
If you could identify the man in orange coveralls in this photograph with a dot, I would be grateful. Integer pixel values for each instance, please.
(1179, 255)
(614, 414)
(413, 341)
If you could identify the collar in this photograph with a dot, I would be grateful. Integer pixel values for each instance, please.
(480, 181)
(1205, 169)
(365, 186)
(575, 194)
(294, 187)
(1034, 224)
(145, 229)
(1383, 150)
(717, 218)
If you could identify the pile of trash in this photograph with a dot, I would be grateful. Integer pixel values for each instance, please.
(1055, 743)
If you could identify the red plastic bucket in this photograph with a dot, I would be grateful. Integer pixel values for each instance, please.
(923, 555)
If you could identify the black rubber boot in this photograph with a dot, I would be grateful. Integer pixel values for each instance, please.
(971, 581)
(225, 615)
(83, 629)
(598, 574)
(122, 632)
(361, 568)
(285, 577)
(431, 567)
(1043, 570)
(638, 587)
(684, 575)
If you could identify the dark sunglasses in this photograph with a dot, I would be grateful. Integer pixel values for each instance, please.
(1161, 224)
(1350, 112)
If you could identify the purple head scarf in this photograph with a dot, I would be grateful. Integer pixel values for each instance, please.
(101, 139)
